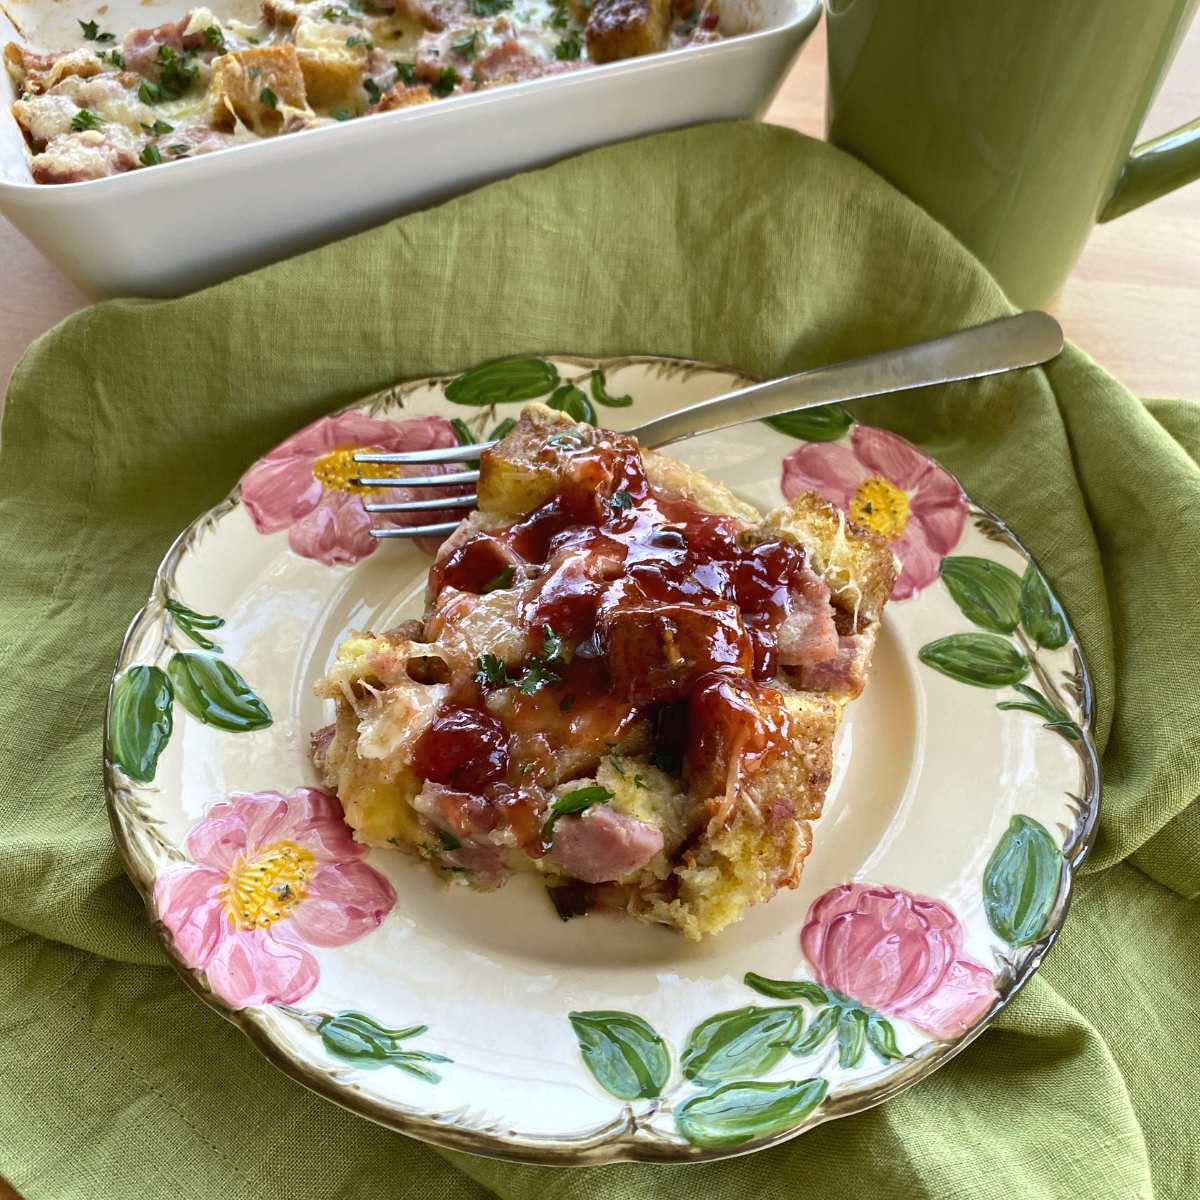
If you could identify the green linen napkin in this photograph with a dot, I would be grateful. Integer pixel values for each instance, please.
(732, 243)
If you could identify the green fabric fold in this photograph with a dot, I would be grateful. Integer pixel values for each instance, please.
(734, 243)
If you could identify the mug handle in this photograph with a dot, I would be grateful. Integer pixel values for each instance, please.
(1155, 168)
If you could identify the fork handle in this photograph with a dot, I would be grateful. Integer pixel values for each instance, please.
(1024, 340)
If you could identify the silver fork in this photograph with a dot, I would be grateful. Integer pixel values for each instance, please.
(1025, 340)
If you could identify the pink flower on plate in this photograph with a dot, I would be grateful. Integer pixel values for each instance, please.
(897, 953)
(272, 875)
(304, 484)
(886, 484)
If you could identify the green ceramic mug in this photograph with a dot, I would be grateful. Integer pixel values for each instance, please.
(1011, 121)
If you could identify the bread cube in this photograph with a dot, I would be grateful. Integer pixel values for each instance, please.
(627, 28)
(245, 82)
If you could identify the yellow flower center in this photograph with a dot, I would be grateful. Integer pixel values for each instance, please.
(881, 506)
(261, 890)
(336, 469)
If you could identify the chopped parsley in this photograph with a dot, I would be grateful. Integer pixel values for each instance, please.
(84, 119)
(358, 40)
(491, 670)
(466, 46)
(616, 766)
(621, 500)
(502, 579)
(176, 73)
(572, 803)
(536, 675)
(158, 128)
(448, 840)
(150, 157)
(569, 49)
(269, 98)
(539, 669)
(336, 14)
(113, 56)
(254, 41)
(406, 72)
(446, 82)
(559, 19)
(178, 149)
(488, 8)
(341, 114)
(254, 72)
(91, 31)
(214, 37)
(374, 94)
(150, 93)
(639, 782)
(552, 646)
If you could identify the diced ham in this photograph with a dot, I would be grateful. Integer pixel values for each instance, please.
(845, 674)
(140, 47)
(466, 819)
(602, 845)
(462, 814)
(808, 633)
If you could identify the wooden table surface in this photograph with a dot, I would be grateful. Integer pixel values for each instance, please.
(1133, 302)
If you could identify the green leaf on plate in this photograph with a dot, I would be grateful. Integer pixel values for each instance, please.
(980, 659)
(852, 1037)
(192, 622)
(987, 592)
(623, 1052)
(1020, 881)
(786, 989)
(1042, 616)
(140, 722)
(502, 430)
(570, 400)
(462, 431)
(1034, 702)
(737, 1112)
(823, 1024)
(601, 396)
(506, 381)
(213, 692)
(572, 804)
(824, 424)
(882, 1038)
(356, 1038)
(743, 1042)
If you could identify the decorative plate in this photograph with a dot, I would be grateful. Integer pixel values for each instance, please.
(964, 796)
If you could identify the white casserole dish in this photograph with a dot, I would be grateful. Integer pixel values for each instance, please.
(167, 230)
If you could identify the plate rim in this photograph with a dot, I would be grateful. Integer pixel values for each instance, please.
(612, 1143)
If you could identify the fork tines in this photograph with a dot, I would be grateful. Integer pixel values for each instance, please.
(450, 479)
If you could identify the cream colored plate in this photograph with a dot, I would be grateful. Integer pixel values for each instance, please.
(939, 876)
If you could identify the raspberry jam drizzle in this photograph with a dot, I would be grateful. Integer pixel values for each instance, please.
(660, 604)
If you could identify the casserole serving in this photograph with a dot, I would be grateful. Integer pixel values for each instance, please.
(257, 202)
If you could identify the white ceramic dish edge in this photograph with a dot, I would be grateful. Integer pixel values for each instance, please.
(171, 230)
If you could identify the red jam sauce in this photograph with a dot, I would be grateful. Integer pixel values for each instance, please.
(667, 615)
